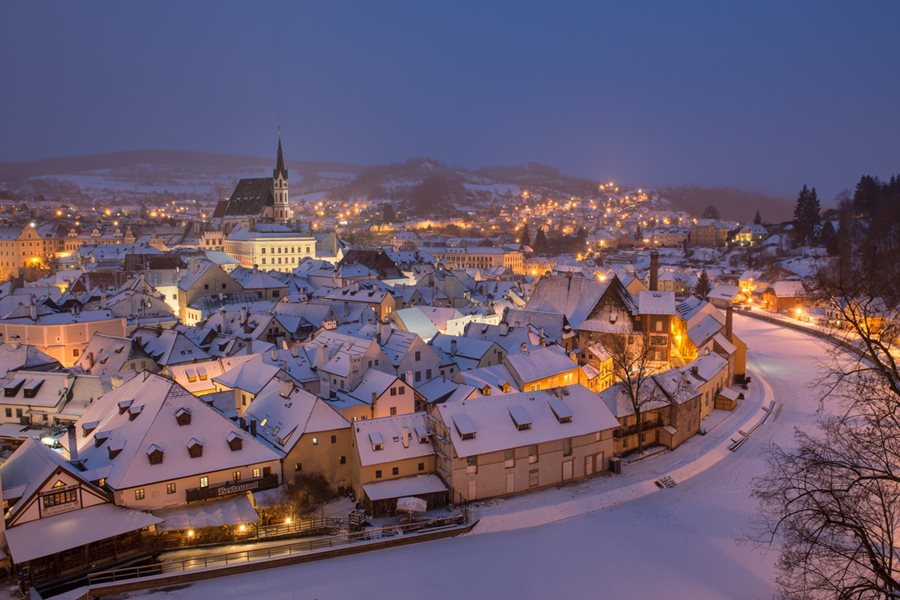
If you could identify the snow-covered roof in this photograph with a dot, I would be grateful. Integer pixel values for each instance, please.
(539, 363)
(788, 289)
(51, 535)
(404, 486)
(140, 414)
(656, 303)
(489, 424)
(382, 440)
(250, 375)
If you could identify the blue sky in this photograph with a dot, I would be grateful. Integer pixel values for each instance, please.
(760, 95)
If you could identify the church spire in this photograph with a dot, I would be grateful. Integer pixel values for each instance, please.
(279, 164)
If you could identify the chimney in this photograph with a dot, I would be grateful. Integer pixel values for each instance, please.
(695, 370)
(253, 427)
(654, 271)
(374, 398)
(286, 388)
(249, 345)
(729, 323)
(244, 315)
(404, 436)
(274, 353)
(409, 377)
(453, 347)
(73, 444)
(504, 329)
(321, 357)
(33, 309)
(385, 329)
(295, 351)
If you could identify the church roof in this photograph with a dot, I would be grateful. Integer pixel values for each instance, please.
(279, 163)
(250, 197)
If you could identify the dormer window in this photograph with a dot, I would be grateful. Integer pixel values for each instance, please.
(155, 454)
(195, 448)
(123, 406)
(235, 441)
(183, 416)
(134, 411)
(520, 417)
(88, 427)
(100, 438)
(113, 452)
(377, 441)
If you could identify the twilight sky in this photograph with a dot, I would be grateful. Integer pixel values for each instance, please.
(761, 95)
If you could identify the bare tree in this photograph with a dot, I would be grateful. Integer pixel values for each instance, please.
(633, 367)
(833, 502)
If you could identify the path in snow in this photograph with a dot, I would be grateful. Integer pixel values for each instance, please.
(679, 542)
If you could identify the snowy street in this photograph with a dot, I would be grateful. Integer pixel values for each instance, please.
(678, 542)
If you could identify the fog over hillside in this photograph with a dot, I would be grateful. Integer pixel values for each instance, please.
(136, 173)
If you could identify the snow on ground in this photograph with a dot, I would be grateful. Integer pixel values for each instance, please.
(680, 542)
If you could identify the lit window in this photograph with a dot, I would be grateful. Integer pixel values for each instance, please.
(236, 476)
(204, 482)
(139, 494)
(315, 441)
(256, 473)
(170, 488)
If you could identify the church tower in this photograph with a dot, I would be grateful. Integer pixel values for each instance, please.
(281, 212)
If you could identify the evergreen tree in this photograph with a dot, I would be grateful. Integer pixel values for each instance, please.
(639, 234)
(711, 212)
(828, 237)
(540, 241)
(703, 287)
(757, 220)
(525, 238)
(806, 215)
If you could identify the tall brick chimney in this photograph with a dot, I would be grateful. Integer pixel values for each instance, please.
(654, 271)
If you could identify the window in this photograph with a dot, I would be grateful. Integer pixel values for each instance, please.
(418, 355)
(418, 376)
(170, 488)
(378, 474)
(393, 411)
(393, 392)
(315, 441)
(509, 460)
(9, 413)
(60, 498)
(395, 471)
(401, 390)
(298, 467)
(334, 439)
(421, 466)
(567, 447)
(256, 473)
(236, 476)
(533, 454)
(139, 494)
(205, 286)
(76, 352)
(472, 464)
(659, 325)
(533, 480)
(428, 374)
(204, 482)
(343, 460)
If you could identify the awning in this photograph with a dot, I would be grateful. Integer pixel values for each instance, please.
(271, 497)
(213, 513)
(412, 504)
(404, 486)
(51, 535)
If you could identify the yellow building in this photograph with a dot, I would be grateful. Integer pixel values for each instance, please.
(476, 257)
(270, 250)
